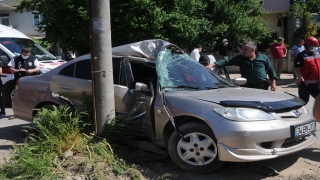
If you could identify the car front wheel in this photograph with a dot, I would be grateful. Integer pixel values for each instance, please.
(198, 153)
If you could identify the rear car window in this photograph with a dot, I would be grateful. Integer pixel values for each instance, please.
(83, 69)
(68, 71)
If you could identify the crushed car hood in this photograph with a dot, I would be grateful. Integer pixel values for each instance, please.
(245, 97)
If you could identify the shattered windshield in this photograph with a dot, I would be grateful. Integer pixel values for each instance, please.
(178, 72)
(16, 44)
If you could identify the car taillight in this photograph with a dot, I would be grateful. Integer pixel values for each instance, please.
(17, 84)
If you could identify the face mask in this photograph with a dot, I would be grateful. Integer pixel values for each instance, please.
(314, 49)
(24, 57)
(226, 43)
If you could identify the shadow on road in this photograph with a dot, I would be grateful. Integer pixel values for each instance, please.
(12, 133)
(231, 170)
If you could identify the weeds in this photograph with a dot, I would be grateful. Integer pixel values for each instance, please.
(62, 148)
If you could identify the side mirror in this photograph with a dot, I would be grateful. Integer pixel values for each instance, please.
(141, 87)
(240, 81)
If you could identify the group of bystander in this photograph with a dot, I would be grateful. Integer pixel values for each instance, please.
(255, 66)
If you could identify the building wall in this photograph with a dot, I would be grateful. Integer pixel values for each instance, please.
(24, 23)
(276, 6)
(272, 20)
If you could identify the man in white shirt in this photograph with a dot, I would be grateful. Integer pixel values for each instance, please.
(24, 64)
(195, 54)
(212, 60)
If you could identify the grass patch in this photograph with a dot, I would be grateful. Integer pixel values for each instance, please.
(64, 146)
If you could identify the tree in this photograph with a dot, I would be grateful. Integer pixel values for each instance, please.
(307, 24)
(237, 20)
(187, 22)
(64, 22)
(182, 22)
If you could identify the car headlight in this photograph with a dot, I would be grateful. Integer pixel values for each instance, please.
(244, 114)
(44, 70)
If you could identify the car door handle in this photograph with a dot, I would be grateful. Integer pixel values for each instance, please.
(67, 87)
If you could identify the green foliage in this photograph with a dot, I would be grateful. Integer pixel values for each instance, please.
(307, 25)
(63, 21)
(182, 22)
(45, 44)
(187, 22)
(60, 132)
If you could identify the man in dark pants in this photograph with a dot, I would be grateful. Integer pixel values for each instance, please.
(307, 67)
(2, 107)
(253, 66)
(24, 65)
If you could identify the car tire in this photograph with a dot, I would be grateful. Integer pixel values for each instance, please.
(48, 106)
(199, 157)
(9, 94)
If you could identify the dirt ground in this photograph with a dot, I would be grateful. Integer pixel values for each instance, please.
(301, 165)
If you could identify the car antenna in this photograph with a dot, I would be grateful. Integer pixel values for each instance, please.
(164, 104)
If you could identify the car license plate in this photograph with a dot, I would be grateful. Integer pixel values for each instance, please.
(303, 130)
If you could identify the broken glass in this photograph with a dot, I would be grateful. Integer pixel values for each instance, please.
(177, 72)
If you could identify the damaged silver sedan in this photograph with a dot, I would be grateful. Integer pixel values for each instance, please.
(201, 118)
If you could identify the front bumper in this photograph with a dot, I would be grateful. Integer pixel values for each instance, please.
(253, 141)
(262, 153)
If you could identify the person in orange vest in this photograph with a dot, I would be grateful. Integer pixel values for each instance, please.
(307, 68)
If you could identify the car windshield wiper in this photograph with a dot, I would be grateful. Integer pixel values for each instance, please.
(182, 86)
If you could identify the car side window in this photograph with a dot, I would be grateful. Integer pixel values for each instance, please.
(4, 58)
(126, 78)
(116, 70)
(83, 69)
(123, 74)
(143, 73)
(130, 79)
(68, 71)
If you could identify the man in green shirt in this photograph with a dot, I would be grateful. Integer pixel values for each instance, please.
(253, 66)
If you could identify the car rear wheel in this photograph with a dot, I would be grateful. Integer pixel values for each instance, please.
(10, 94)
(199, 152)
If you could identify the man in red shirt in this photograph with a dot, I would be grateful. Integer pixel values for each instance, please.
(278, 52)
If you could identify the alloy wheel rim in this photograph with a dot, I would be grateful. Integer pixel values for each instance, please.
(198, 149)
(12, 94)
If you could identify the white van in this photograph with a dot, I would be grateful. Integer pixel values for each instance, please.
(11, 42)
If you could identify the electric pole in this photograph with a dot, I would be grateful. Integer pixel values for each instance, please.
(101, 63)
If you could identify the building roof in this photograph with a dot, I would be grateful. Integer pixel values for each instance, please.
(8, 4)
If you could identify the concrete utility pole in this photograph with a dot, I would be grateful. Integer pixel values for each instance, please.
(101, 62)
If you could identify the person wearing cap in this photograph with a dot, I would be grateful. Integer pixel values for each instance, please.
(195, 54)
(224, 49)
(307, 67)
(24, 63)
(253, 66)
(278, 52)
